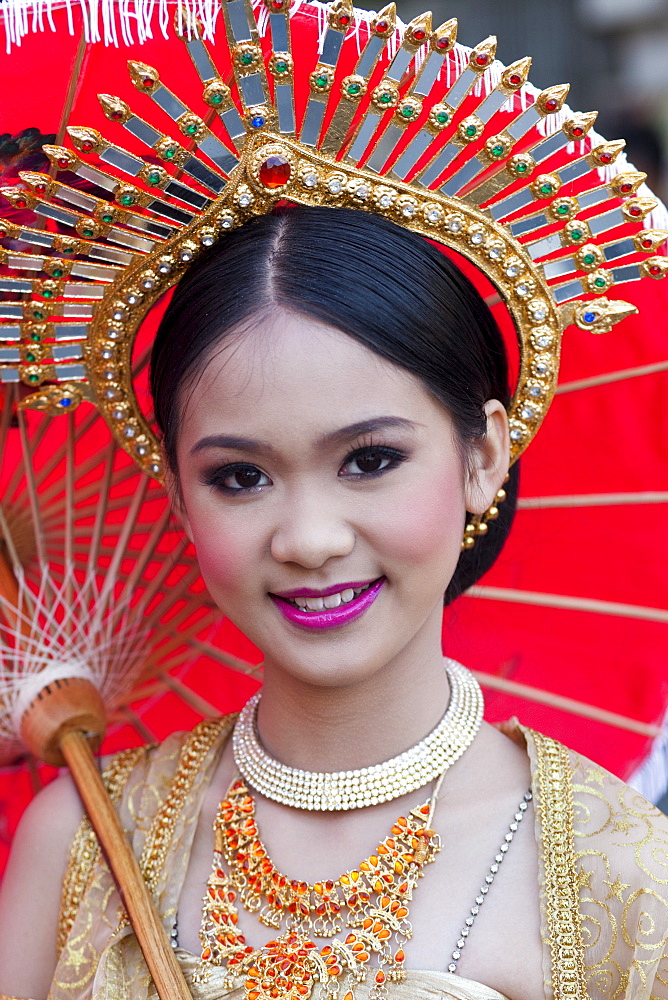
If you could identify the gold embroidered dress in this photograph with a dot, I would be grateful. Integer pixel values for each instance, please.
(603, 881)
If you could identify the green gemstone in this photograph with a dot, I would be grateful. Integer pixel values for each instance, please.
(354, 89)
(57, 272)
(88, 233)
(471, 131)
(281, 66)
(546, 189)
(107, 218)
(247, 58)
(576, 234)
(37, 314)
(442, 118)
(322, 81)
(216, 98)
(35, 336)
(30, 357)
(407, 112)
(154, 177)
(47, 293)
(33, 378)
(498, 150)
(170, 153)
(68, 249)
(521, 168)
(589, 259)
(191, 129)
(385, 98)
(563, 209)
(600, 282)
(127, 199)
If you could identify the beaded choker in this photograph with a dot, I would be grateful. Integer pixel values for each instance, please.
(342, 790)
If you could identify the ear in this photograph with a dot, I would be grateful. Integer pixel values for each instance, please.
(488, 460)
(175, 498)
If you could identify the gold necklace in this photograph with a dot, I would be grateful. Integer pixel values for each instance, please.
(340, 790)
(372, 899)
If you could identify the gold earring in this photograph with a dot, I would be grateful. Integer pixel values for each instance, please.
(478, 524)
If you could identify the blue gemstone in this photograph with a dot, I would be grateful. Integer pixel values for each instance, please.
(257, 121)
(66, 402)
(589, 317)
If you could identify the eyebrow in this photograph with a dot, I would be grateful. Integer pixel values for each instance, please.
(333, 437)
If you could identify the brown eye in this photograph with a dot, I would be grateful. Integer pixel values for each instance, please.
(246, 478)
(370, 461)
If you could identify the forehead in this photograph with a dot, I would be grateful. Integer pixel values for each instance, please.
(289, 367)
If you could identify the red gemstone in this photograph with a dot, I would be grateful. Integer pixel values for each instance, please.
(626, 188)
(147, 82)
(21, 203)
(40, 188)
(382, 26)
(344, 20)
(647, 245)
(442, 43)
(277, 4)
(419, 34)
(3, 233)
(275, 172)
(63, 162)
(482, 59)
(635, 211)
(577, 131)
(515, 80)
(86, 146)
(552, 104)
(116, 116)
(605, 158)
(655, 269)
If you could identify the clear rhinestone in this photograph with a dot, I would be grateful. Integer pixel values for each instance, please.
(452, 967)
(496, 253)
(110, 394)
(522, 289)
(409, 210)
(518, 817)
(513, 827)
(494, 869)
(129, 432)
(164, 268)
(527, 413)
(118, 314)
(465, 932)
(489, 879)
(475, 910)
(509, 836)
(477, 239)
(536, 391)
(461, 943)
(207, 241)
(113, 334)
(544, 341)
(244, 199)
(504, 847)
(109, 376)
(434, 215)
(455, 226)
(456, 954)
(539, 313)
(185, 256)
(469, 921)
(310, 180)
(484, 889)
(362, 191)
(118, 414)
(541, 368)
(527, 797)
(106, 353)
(480, 900)
(515, 435)
(385, 201)
(131, 299)
(141, 449)
(148, 283)
(226, 222)
(499, 859)
(155, 468)
(512, 271)
(334, 185)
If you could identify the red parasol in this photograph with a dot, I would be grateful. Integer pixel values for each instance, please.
(575, 608)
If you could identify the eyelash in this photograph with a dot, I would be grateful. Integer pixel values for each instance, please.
(216, 478)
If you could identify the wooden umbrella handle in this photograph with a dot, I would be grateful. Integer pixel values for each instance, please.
(153, 941)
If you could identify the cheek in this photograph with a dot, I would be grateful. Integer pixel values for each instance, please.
(427, 526)
(224, 554)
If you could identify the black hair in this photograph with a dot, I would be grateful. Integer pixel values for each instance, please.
(381, 284)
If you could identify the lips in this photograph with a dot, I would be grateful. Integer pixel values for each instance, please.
(307, 608)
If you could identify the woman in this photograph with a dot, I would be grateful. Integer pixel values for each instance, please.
(333, 399)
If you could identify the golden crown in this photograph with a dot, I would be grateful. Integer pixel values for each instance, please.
(320, 106)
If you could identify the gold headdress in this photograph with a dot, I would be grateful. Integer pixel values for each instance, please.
(319, 106)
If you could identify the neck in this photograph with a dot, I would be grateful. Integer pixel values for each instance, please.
(319, 728)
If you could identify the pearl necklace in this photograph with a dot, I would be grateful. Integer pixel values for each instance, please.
(342, 790)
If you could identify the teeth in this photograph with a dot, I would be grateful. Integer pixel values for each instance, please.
(329, 602)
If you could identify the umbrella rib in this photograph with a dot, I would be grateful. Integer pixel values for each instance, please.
(96, 538)
(225, 658)
(567, 704)
(594, 605)
(191, 698)
(618, 376)
(138, 724)
(32, 491)
(592, 500)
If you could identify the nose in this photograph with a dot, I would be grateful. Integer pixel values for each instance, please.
(310, 532)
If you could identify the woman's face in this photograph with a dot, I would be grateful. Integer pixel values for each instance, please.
(325, 494)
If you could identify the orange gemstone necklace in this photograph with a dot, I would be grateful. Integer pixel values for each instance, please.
(371, 901)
